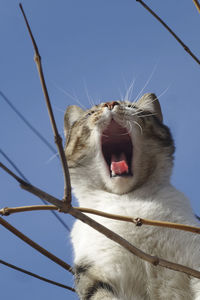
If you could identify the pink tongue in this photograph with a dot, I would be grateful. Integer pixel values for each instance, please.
(119, 165)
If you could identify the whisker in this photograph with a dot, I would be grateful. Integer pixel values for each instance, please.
(78, 101)
(129, 91)
(164, 92)
(120, 134)
(51, 158)
(130, 125)
(147, 82)
(148, 115)
(121, 95)
(138, 126)
(127, 133)
(151, 101)
(138, 110)
(58, 109)
(147, 103)
(69, 95)
(90, 100)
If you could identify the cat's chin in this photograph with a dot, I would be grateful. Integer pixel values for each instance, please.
(120, 184)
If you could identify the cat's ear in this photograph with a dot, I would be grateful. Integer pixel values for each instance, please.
(72, 114)
(150, 102)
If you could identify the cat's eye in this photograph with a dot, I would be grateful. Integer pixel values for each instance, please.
(131, 106)
(89, 113)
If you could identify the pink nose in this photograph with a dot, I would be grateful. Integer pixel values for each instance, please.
(110, 105)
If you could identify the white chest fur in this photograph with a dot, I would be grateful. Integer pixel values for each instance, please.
(135, 276)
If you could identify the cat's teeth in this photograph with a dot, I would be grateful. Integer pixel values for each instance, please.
(118, 158)
(113, 174)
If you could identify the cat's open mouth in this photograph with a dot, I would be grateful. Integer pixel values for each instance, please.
(117, 149)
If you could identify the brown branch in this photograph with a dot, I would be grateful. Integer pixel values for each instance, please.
(186, 48)
(6, 211)
(45, 196)
(197, 5)
(140, 221)
(57, 137)
(21, 181)
(35, 245)
(137, 221)
(34, 190)
(36, 276)
(156, 261)
(111, 235)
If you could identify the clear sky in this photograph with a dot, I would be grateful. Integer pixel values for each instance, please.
(94, 48)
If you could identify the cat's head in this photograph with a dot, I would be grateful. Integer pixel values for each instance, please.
(118, 146)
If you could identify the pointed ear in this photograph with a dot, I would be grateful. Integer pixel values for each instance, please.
(72, 114)
(150, 102)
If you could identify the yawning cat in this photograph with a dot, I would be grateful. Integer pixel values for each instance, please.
(120, 157)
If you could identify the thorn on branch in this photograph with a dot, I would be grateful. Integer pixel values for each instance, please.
(37, 58)
(5, 211)
(156, 261)
(58, 139)
(138, 221)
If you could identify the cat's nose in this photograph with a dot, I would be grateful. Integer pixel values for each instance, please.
(111, 104)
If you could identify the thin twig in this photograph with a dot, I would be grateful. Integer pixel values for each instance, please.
(26, 180)
(57, 137)
(108, 233)
(197, 5)
(34, 190)
(140, 221)
(137, 221)
(20, 180)
(6, 211)
(35, 245)
(47, 197)
(186, 48)
(156, 261)
(36, 276)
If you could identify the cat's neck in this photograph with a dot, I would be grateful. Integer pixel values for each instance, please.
(90, 197)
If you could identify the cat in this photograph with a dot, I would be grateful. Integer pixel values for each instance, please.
(120, 157)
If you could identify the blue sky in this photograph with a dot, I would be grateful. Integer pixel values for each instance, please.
(94, 48)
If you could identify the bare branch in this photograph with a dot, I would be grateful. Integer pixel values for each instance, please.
(108, 233)
(26, 180)
(36, 276)
(6, 211)
(21, 181)
(197, 5)
(45, 196)
(137, 221)
(34, 190)
(170, 30)
(35, 245)
(156, 261)
(57, 137)
(111, 235)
